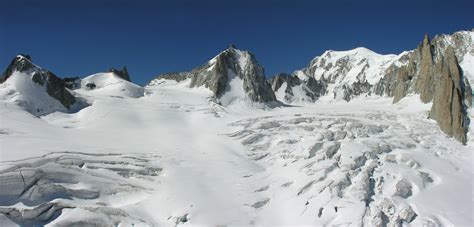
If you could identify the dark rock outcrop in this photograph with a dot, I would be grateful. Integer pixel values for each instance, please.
(176, 76)
(312, 88)
(123, 73)
(72, 82)
(357, 88)
(20, 63)
(55, 86)
(281, 78)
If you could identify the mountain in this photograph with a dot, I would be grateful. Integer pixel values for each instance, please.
(232, 75)
(38, 90)
(110, 83)
(350, 73)
(344, 75)
(435, 70)
(360, 71)
(41, 92)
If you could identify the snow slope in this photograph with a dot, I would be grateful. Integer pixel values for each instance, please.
(22, 90)
(112, 85)
(174, 157)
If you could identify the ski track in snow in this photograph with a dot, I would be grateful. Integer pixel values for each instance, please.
(173, 157)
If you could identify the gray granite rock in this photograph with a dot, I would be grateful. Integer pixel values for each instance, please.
(449, 108)
(216, 74)
(433, 72)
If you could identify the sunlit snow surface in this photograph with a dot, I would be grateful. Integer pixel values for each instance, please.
(174, 157)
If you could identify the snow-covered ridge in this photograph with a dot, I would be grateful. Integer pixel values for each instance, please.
(110, 84)
(360, 71)
(341, 69)
(41, 92)
(351, 66)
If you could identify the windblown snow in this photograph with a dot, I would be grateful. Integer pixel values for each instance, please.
(174, 157)
(111, 84)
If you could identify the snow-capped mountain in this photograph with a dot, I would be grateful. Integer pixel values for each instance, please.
(361, 139)
(232, 75)
(41, 92)
(427, 70)
(36, 89)
(350, 73)
(110, 83)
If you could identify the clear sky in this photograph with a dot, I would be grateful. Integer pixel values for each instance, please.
(82, 37)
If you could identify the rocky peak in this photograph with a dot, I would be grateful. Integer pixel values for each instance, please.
(230, 64)
(449, 106)
(352, 72)
(55, 86)
(20, 63)
(433, 71)
(123, 73)
(424, 83)
(426, 39)
(233, 63)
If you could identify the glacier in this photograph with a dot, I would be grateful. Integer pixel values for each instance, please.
(174, 154)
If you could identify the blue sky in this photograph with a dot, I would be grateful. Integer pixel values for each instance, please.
(79, 38)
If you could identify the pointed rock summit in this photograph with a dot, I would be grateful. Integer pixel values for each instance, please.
(55, 86)
(20, 63)
(123, 73)
(229, 74)
(449, 107)
(424, 83)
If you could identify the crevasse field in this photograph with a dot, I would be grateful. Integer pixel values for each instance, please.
(174, 157)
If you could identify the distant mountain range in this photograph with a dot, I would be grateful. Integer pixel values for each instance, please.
(439, 70)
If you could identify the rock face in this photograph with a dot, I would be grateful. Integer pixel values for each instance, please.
(296, 89)
(439, 70)
(72, 82)
(123, 73)
(424, 83)
(219, 72)
(55, 86)
(449, 108)
(433, 71)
